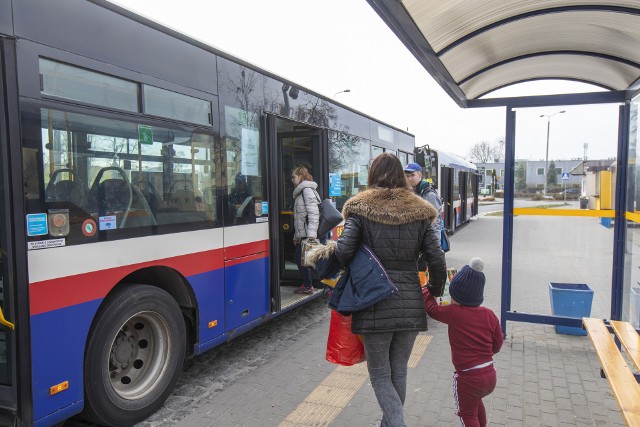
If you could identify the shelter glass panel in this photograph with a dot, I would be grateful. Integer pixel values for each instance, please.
(557, 249)
(562, 239)
(631, 288)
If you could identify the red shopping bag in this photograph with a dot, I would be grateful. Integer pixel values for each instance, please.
(343, 346)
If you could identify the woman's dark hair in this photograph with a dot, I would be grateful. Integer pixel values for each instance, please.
(303, 173)
(386, 172)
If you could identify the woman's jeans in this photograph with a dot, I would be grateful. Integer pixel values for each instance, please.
(387, 358)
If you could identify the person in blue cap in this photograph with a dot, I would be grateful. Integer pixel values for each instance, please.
(424, 189)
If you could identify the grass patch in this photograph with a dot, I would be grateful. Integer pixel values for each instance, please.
(548, 206)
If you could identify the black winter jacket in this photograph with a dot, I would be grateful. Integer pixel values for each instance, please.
(396, 225)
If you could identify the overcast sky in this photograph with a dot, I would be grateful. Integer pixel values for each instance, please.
(332, 45)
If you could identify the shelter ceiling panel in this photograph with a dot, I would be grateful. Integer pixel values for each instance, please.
(599, 71)
(584, 31)
(443, 22)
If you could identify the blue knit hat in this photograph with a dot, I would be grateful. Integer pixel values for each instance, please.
(467, 285)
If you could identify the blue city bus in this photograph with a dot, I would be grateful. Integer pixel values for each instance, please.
(147, 199)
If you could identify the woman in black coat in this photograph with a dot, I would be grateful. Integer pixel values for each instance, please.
(395, 223)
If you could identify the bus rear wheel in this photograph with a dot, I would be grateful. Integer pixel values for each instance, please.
(135, 353)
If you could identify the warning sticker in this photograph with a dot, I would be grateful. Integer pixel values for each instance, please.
(46, 244)
(37, 224)
(107, 222)
(89, 227)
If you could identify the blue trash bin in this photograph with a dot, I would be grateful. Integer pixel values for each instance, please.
(570, 300)
(607, 222)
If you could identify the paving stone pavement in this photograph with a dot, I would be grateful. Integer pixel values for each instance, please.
(544, 378)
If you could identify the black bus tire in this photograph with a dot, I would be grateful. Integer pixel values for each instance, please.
(135, 351)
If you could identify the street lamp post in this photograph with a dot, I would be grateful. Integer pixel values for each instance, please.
(546, 162)
(342, 91)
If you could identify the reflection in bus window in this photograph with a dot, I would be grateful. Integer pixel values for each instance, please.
(244, 169)
(375, 151)
(120, 174)
(348, 156)
(66, 81)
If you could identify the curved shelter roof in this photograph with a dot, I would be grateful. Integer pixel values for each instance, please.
(473, 47)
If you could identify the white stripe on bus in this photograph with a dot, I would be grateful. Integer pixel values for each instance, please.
(47, 264)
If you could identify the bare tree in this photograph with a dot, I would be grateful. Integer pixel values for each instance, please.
(482, 152)
(487, 152)
(499, 149)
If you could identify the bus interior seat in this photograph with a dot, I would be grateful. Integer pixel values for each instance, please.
(112, 194)
(149, 192)
(66, 190)
(141, 212)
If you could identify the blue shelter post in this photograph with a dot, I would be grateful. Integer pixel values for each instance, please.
(507, 227)
(620, 224)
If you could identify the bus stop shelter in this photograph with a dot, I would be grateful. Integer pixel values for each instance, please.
(474, 47)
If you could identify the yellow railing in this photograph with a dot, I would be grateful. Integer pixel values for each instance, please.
(598, 213)
(632, 216)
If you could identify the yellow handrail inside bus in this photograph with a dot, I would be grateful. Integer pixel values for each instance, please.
(5, 322)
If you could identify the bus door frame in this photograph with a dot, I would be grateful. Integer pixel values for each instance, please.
(275, 171)
(15, 398)
(446, 192)
(462, 184)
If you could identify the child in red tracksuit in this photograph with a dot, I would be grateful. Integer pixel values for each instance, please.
(474, 335)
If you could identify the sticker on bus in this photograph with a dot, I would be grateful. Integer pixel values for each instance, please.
(46, 244)
(107, 222)
(37, 224)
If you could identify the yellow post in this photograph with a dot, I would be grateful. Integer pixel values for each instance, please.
(605, 190)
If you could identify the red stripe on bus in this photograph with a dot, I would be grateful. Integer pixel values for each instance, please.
(61, 292)
(238, 251)
(247, 258)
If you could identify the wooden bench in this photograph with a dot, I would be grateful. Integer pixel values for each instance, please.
(623, 383)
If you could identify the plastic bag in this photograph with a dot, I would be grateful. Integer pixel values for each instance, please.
(424, 277)
(445, 299)
(343, 346)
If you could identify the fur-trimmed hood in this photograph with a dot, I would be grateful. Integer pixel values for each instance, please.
(389, 206)
(322, 252)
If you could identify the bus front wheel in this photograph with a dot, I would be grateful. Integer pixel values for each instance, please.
(135, 353)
